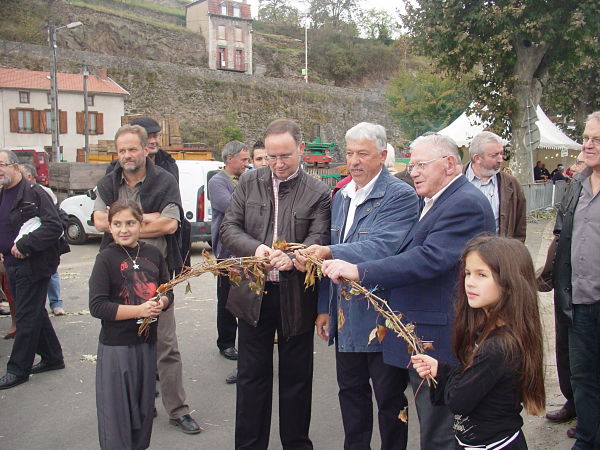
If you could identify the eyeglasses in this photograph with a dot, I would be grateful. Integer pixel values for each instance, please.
(423, 164)
(595, 141)
(4, 165)
(284, 158)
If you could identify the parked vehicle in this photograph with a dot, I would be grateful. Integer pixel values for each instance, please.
(38, 157)
(193, 178)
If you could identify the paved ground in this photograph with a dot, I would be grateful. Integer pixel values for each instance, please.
(56, 410)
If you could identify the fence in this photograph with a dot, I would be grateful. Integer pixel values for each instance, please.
(544, 195)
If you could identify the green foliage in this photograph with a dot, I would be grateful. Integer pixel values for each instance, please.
(24, 24)
(233, 133)
(378, 24)
(180, 13)
(425, 101)
(279, 12)
(335, 13)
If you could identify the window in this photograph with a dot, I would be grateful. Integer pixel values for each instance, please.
(224, 8)
(90, 100)
(221, 32)
(47, 122)
(239, 36)
(23, 97)
(236, 11)
(25, 120)
(49, 98)
(221, 58)
(239, 60)
(95, 122)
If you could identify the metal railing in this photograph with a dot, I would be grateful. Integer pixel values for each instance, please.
(540, 196)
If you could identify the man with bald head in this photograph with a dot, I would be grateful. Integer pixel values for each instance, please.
(423, 273)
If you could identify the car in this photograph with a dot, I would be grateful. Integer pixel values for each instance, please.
(193, 178)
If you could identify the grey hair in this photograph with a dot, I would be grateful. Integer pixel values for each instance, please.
(133, 129)
(29, 169)
(444, 145)
(370, 132)
(479, 141)
(593, 116)
(12, 158)
(232, 148)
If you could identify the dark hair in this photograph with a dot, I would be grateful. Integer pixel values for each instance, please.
(122, 205)
(512, 268)
(258, 144)
(281, 126)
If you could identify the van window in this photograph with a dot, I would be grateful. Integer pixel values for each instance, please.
(209, 175)
(25, 157)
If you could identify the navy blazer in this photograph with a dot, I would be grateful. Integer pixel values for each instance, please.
(424, 273)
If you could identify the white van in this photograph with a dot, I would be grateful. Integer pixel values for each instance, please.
(193, 178)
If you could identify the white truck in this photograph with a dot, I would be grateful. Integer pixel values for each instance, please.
(193, 178)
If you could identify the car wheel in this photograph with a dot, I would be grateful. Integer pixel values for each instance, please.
(75, 233)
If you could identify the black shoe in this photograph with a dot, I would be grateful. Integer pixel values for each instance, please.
(187, 424)
(11, 380)
(43, 366)
(231, 378)
(230, 353)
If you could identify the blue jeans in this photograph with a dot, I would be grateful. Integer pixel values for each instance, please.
(54, 291)
(584, 353)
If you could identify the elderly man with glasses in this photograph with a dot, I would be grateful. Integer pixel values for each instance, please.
(423, 273)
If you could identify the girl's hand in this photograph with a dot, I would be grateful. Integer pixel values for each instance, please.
(149, 309)
(425, 365)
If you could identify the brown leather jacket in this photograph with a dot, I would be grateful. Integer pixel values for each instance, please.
(513, 208)
(304, 215)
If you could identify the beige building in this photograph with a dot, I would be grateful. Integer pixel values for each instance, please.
(227, 29)
(25, 109)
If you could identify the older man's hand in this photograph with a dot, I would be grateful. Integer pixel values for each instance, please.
(280, 261)
(336, 269)
(318, 251)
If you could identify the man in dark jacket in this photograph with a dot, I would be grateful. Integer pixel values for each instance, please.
(278, 202)
(577, 285)
(156, 191)
(29, 233)
(423, 273)
(503, 191)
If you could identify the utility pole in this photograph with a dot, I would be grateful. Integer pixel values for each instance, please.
(86, 131)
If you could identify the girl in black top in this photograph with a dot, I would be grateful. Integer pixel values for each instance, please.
(498, 342)
(122, 286)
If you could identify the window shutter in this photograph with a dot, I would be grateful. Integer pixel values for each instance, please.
(99, 123)
(14, 120)
(62, 122)
(79, 120)
(35, 121)
(43, 122)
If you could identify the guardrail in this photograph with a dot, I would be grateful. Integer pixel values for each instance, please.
(541, 196)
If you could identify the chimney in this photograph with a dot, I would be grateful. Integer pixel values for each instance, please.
(101, 73)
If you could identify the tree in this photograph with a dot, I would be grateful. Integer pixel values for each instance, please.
(279, 12)
(332, 12)
(377, 24)
(513, 44)
(423, 101)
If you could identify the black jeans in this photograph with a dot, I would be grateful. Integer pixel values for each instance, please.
(255, 381)
(35, 333)
(354, 370)
(226, 323)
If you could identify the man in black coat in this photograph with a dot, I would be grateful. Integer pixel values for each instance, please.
(29, 235)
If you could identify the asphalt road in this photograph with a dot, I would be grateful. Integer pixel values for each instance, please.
(56, 410)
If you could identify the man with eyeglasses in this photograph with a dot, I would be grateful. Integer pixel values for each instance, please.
(503, 191)
(577, 285)
(279, 202)
(422, 274)
(29, 244)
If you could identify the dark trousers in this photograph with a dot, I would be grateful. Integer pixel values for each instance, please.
(584, 352)
(563, 369)
(226, 323)
(35, 333)
(255, 381)
(354, 370)
(435, 421)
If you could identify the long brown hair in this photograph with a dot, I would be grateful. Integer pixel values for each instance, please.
(512, 268)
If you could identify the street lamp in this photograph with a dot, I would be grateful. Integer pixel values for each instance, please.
(52, 30)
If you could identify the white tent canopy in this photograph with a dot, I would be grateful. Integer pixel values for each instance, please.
(463, 129)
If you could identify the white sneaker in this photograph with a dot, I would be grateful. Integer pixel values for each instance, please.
(58, 311)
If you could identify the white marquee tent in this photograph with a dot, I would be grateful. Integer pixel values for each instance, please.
(463, 129)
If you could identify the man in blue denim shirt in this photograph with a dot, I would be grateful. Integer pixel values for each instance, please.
(370, 218)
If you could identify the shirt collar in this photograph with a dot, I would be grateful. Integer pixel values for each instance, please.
(359, 194)
(232, 178)
(441, 191)
(292, 176)
(124, 181)
(471, 176)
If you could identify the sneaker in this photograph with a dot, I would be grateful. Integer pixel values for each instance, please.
(58, 311)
